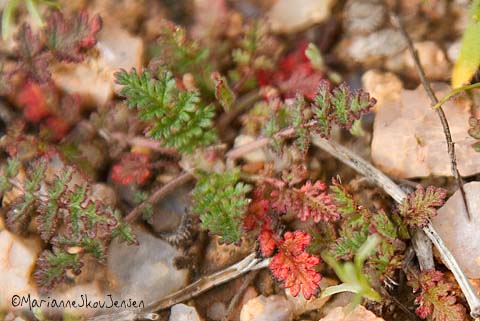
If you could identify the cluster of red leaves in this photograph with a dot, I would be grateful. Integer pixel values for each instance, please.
(291, 263)
(419, 206)
(436, 297)
(295, 74)
(132, 168)
(310, 200)
(42, 103)
(61, 39)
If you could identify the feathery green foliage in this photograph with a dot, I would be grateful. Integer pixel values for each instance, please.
(179, 118)
(221, 202)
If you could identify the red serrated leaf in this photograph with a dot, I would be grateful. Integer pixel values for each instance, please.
(436, 298)
(421, 205)
(68, 39)
(310, 200)
(294, 266)
(132, 168)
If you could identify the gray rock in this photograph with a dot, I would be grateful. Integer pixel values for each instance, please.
(145, 272)
(272, 308)
(459, 234)
(182, 312)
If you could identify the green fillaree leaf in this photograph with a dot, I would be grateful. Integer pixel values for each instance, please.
(341, 106)
(298, 120)
(9, 171)
(421, 205)
(52, 267)
(469, 58)
(19, 214)
(48, 210)
(221, 202)
(179, 119)
(177, 52)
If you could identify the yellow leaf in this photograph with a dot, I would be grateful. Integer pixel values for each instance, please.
(469, 59)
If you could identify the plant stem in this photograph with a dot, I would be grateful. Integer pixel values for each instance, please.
(454, 92)
(441, 114)
(158, 195)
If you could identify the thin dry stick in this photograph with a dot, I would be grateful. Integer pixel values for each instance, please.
(441, 114)
(159, 194)
(249, 263)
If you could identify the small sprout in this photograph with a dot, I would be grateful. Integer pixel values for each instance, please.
(352, 275)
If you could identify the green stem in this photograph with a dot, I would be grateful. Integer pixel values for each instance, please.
(32, 8)
(453, 93)
(344, 287)
(7, 17)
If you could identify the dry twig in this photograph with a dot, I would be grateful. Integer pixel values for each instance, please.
(439, 110)
(159, 194)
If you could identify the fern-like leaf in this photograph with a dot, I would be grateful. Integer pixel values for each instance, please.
(221, 202)
(48, 210)
(436, 298)
(341, 106)
(52, 268)
(179, 119)
(21, 210)
(419, 206)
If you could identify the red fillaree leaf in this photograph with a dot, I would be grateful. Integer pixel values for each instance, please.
(267, 239)
(294, 266)
(310, 200)
(421, 205)
(436, 297)
(132, 168)
(295, 75)
(257, 210)
(68, 39)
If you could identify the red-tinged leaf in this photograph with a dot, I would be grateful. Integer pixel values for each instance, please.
(310, 200)
(418, 207)
(267, 239)
(436, 298)
(38, 101)
(295, 75)
(58, 127)
(68, 39)
(294, 266)
(303, 80)
(30, 56)
(132, 168)
(257, 210)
